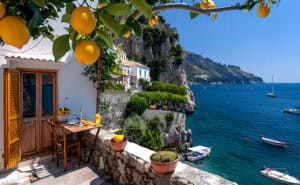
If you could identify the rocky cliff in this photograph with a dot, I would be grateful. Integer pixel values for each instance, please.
(202, 70)
(159, 48)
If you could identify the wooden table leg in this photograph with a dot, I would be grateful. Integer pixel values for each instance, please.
(65, 151)
(93, 146)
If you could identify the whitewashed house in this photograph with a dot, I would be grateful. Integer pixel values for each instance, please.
(32, 89)
(133, 72)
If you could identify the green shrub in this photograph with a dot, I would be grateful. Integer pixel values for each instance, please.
(136, 105)
(156, 123)
(171, 88)
(164, 156)
(119, 131)
(134, 128)
(169, 118)
(157, 96)
(118, 87)
(152, 139)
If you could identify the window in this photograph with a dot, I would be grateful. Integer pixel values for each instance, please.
(29, 95)
(140, 72)
(145, 74)
(47, 94)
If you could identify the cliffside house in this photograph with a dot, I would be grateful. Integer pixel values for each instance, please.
(32, 89)
(133, 72)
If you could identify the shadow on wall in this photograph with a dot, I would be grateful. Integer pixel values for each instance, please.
(76, 91)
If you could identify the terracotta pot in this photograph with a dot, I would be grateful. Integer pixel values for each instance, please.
(153, 107)
(118, 147)
(165, 107)
(164, 168)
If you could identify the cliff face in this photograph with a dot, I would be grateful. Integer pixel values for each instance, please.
(206, 71)
(159, 48)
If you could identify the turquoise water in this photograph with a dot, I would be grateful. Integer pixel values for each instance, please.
(231, 118)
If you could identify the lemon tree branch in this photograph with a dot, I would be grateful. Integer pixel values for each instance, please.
(183, 6)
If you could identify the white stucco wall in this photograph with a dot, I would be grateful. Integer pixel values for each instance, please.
(1, 116)
(75, 90)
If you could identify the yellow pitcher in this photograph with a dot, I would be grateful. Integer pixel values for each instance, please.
(97, 119)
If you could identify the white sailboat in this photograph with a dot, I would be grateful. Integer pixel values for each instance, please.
(272, 93)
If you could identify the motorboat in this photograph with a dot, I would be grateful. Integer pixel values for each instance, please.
(274, 142)
(197, 153)
(292, 111)
(279, 176)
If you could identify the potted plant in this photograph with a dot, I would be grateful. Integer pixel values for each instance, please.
(118, 142)
(63, 114)
(164, 162)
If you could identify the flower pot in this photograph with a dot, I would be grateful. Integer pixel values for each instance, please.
(153, 107)
(118, 147)
(164, 168)
(165, 107)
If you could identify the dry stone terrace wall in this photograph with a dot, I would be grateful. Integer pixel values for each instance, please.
(132, 167)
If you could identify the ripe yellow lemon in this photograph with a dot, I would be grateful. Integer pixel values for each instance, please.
(203, 5)
(127, 35)
(2, 10)
(87, 52)
(118, 138)
(263, 10)
(14, 31)
(83, 20)
(211, 4)
(153, 21)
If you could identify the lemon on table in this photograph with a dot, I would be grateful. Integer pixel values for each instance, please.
(118, 138)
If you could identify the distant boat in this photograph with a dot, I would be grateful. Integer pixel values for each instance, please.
(292, 111)
(272, 93)
(197, 153)
(279, 176)
(274, 142)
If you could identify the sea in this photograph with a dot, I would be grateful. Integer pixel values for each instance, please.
(231, 119)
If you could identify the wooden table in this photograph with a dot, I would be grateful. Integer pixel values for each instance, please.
(77, 129)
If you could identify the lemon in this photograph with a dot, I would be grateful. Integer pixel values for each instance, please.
(83, 20)
(2, 10)
(14, 31)
(203, 5)
(263, 10)
(211, 4)
(87, 52)
(118, 138)
(153, 21)
(127, 35)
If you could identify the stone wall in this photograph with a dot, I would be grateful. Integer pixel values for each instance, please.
(132, 167)
(113, 105)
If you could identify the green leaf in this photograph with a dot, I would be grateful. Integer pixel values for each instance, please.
(136, 26)
(111, 23)
(193, 15)
(60, 46)
(69, 8)
(143, 7)
(105, 37)
(40, 3)
(36, 21)
(66, 18)
(117, 9)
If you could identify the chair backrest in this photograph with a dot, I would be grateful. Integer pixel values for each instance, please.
(56, 135)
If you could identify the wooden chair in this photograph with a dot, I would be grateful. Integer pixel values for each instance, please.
(58, 138)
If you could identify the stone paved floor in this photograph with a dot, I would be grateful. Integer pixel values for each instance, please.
(43, 171)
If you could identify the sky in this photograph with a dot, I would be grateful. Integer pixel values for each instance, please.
(264, 47)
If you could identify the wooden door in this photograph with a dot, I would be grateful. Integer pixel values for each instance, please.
(38, 103)
(12, 128)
